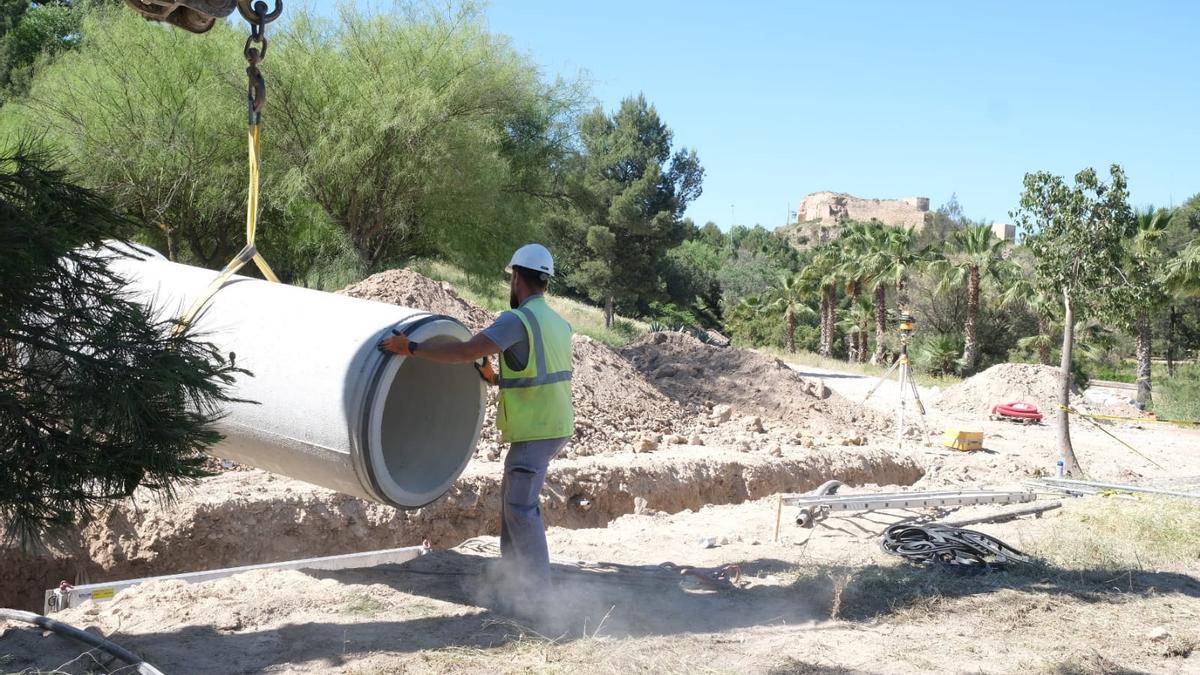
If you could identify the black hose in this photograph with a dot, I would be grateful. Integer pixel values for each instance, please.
(83, 636)
(937, 544)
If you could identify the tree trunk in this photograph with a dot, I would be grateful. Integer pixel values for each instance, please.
(608, 312)
(852, 344)
(1144, 337)
(971, 332)
(1066, 451)
(1171, 342)
(1044, 349)
(824, 324)
(862, 346)
(829, 297)
(880, 323)
(790, 320)
(169, 232)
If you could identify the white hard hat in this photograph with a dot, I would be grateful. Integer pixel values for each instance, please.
(534, 257)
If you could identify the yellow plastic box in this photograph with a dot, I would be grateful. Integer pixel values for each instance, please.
(963, 439)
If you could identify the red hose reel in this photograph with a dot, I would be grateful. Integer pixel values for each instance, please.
(1017, 411)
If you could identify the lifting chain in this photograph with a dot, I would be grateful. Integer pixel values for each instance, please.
(256, 90)
(256, 98)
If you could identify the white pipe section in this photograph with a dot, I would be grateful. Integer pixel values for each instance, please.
(327, 407)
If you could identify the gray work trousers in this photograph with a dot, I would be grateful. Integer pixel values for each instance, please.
(523, 550)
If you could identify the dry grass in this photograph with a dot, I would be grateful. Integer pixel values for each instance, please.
(1101, 551)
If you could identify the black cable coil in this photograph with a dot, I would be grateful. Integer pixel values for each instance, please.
(936, 544)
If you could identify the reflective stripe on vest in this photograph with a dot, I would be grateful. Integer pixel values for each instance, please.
(538, 352)
(535, 401)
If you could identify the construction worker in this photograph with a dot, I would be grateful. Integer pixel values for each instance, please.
(535, 413)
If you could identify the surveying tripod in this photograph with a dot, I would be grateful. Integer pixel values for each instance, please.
(905, 378)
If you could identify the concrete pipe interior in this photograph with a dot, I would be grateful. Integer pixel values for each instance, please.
(417, 424)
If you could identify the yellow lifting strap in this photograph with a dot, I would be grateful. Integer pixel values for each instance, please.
(248, 252)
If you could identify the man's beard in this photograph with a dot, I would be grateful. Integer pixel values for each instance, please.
(512, 298)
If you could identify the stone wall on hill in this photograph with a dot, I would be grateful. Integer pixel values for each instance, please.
(831, 208)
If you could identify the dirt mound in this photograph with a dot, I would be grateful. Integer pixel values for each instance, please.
(616, 408)
(734, 383)
(407, 288)
(1003, 383)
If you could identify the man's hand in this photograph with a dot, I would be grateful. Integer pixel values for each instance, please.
(396, 344)
(486, 371)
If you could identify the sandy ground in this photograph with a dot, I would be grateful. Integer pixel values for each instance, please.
(1016, 451)
(1108, 596)
(818, 601)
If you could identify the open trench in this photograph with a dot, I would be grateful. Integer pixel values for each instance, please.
(249, 517)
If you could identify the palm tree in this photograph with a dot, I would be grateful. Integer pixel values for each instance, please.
(894, 255)
(789, 296)
(854, 245)
(873, 241)
(1145, 258)
(856, 323)
(1181, 278)
(972, 255)
(821, 274)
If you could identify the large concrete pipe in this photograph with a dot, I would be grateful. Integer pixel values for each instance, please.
(327, 407)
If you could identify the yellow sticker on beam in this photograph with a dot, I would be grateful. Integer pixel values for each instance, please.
(102, 594)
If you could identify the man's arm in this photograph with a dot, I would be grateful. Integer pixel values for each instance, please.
(445, 352)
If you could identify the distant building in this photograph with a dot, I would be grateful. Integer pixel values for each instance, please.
(831, 208)
(1005, 231)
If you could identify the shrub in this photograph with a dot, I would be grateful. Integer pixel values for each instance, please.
(1178, 397)
(939, 354)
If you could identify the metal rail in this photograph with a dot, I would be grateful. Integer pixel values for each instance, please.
(1093, 485)
(69, 596)
(818, 507)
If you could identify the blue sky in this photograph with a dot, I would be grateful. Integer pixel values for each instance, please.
(890, 99)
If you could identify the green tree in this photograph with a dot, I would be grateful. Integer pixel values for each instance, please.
(690, 274)
(821, 276)
(1145, 283)
(892, 256)
(971, 256)
(632, 190)
(419, 132)
(856, 322)
(161, 137)
(790, 298)
(871, 258)
(1075, 233)
(1181, 278)
(853, 243)
(97, 395)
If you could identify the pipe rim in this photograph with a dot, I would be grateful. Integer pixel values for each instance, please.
(369, 459)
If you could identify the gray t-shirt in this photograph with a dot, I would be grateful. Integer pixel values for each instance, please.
(508, 332)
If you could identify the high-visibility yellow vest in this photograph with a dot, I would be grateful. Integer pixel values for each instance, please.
(535, 402)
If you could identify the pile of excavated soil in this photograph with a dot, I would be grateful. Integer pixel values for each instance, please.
(1004, 383)
(407, 288)
(616, 409)
(666, 389)
(759, 394)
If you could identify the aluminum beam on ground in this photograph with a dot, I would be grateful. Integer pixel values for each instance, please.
(57, 599)
(1003, 516)
(1120, 487)
(908, 500)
